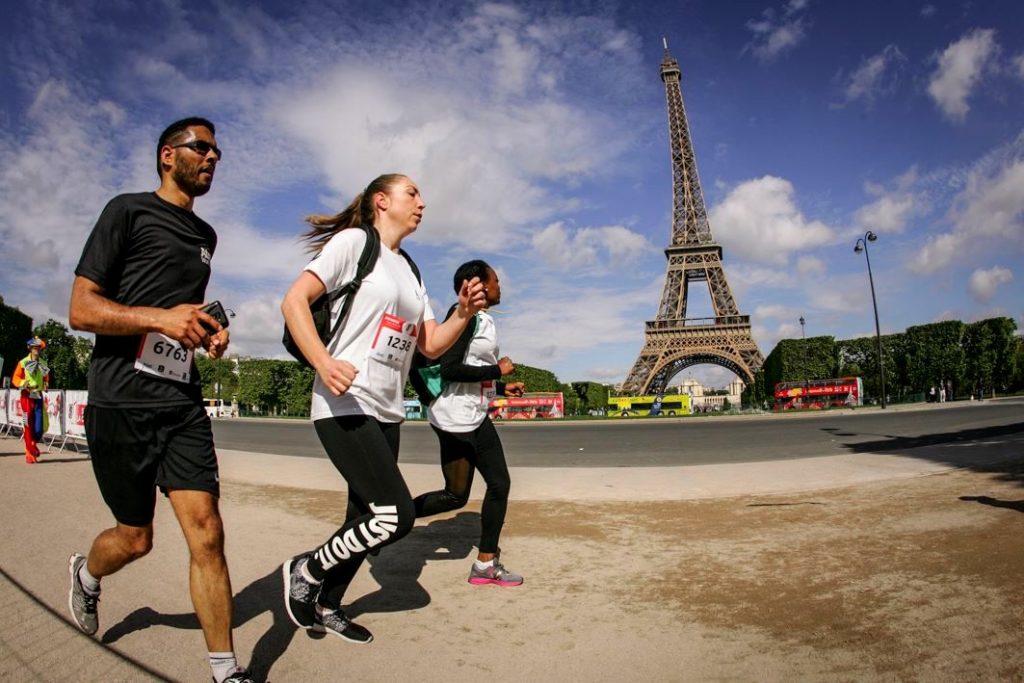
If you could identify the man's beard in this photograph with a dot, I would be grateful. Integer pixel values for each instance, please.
(187, 180)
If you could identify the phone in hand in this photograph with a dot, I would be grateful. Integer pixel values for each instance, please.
(216, 311)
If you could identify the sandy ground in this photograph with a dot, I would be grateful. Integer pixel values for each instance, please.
(917, 579)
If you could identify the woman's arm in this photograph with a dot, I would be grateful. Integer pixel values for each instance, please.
(453, 365)
(337, 375)
(435, 339)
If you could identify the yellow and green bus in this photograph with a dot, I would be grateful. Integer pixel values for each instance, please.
(662, 405)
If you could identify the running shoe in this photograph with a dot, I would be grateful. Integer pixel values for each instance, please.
(494, 573)
(240, 676)
(337, 623)
(299, 594)
(82, 605)
(31, 459)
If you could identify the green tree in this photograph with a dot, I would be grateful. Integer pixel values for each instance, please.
(535, 379)
(988, 349)
(217, 372)
(15, 329)
(1017, 365)
(592, 395)
(934, 354)
(63, 355)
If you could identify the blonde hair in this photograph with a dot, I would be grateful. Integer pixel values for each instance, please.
(358, 212)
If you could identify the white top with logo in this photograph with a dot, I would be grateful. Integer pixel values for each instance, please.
(380, 333)
(462, 406)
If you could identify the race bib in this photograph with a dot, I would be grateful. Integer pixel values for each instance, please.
(164, 357)
(488, 390)
(394, 341)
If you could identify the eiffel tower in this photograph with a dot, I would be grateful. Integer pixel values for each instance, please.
(672, 341)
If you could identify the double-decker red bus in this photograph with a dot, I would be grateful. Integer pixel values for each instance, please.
(529, 406)
(816, 394)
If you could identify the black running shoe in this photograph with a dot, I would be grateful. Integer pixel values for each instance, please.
(299, 594)
(337, 623)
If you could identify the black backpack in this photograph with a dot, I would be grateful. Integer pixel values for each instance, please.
(321, 308)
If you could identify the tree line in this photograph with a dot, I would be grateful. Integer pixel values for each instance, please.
(970, 358)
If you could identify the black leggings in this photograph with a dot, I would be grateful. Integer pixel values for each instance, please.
(460, 453)
(380, 509)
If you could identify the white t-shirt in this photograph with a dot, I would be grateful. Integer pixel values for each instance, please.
(378, 337)
(462, 406)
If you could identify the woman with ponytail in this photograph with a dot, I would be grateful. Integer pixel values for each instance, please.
(357, 405)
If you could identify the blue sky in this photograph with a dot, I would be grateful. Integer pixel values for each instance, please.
(538, 135)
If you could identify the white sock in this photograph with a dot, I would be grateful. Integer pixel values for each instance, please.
(482, 565)
(223, 664)
(89, 582)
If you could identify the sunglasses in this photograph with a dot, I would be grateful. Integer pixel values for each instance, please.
(201, 147)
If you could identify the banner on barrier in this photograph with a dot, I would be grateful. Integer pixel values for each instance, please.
(74, 412)
(55, 412)
(14, 412)
(3, 408)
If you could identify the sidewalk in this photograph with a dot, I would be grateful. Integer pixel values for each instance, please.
(840, 568)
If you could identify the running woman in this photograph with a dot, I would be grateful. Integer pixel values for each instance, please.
(357, 394)
(472, 368)
(140, 285)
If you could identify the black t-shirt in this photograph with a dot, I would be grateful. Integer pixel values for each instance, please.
(144, 251)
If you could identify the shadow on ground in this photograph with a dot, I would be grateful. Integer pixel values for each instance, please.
(996, 450)
(396, 569)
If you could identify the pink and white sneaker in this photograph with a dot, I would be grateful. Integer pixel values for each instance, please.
(494, 573)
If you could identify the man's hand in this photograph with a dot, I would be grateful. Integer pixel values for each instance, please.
(514, 389)
(182, 323)
(217, 344)
(506, 366)
(337, 375)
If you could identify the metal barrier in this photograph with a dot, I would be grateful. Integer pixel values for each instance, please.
(65, 410)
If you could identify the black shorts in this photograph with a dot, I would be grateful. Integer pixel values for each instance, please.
(134, 450)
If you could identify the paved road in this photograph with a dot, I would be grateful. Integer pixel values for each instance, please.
(681, 441)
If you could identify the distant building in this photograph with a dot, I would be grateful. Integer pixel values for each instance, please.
(704, 401)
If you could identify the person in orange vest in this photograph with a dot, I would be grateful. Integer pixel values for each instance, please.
(32, 376)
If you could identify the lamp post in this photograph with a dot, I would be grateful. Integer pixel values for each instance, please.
(862, 245)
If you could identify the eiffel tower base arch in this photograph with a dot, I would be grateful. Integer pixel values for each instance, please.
(673, 346)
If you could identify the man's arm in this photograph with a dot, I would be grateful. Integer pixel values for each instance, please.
(92, 311)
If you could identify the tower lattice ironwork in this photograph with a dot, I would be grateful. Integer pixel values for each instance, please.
(672, 341)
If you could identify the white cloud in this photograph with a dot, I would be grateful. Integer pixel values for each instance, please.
(810, 265)
(928, 11)
(593, 248)
(876, 76)
(777, 312)
(984, 283)
(887, 214)
(1017, 64)
(959, 71)
(546, 321)
(759, 221)
(776, 33)
(988, 211)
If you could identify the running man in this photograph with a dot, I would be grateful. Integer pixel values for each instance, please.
(139, 286)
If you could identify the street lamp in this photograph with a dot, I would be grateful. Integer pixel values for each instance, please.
(862, 245)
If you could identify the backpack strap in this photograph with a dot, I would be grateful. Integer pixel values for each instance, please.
(367, 261)
(412, 264)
